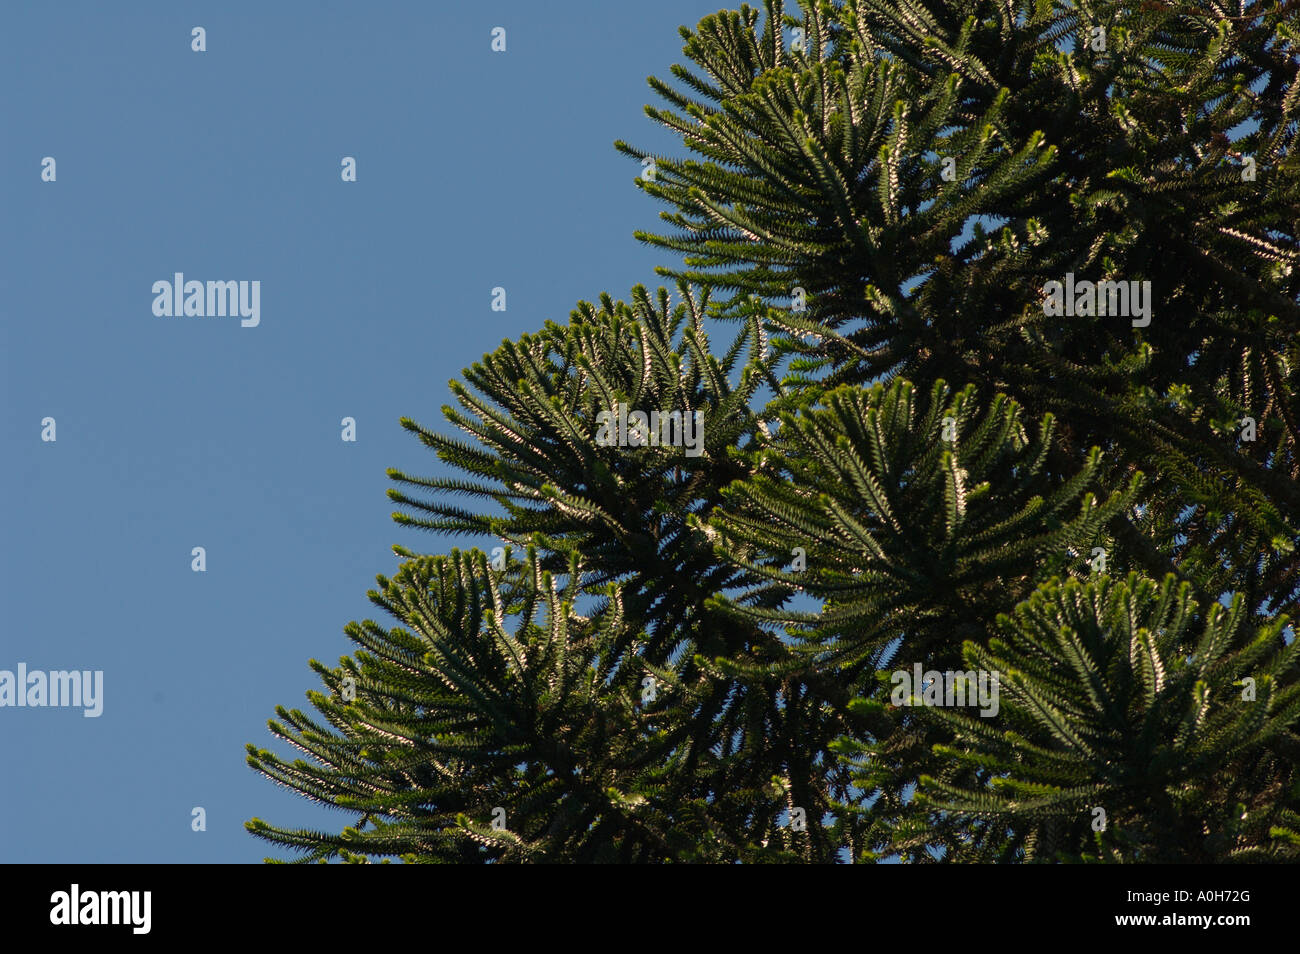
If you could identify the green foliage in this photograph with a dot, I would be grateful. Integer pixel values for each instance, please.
(906, 460)
(906, 534)
(492, 701)
(530, 409)
(822, 171)
(1174, 716)
(911, 543)
(615, 528)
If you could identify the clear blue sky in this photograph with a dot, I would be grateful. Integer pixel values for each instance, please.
(475, 169)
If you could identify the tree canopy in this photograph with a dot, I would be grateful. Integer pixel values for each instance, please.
(1011, 393)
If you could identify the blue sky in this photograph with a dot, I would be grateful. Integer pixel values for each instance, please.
(475, 169)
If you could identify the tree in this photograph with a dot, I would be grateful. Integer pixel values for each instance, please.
(1115, 740)
(1168, 156)
(909, 457)
(614, 530)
